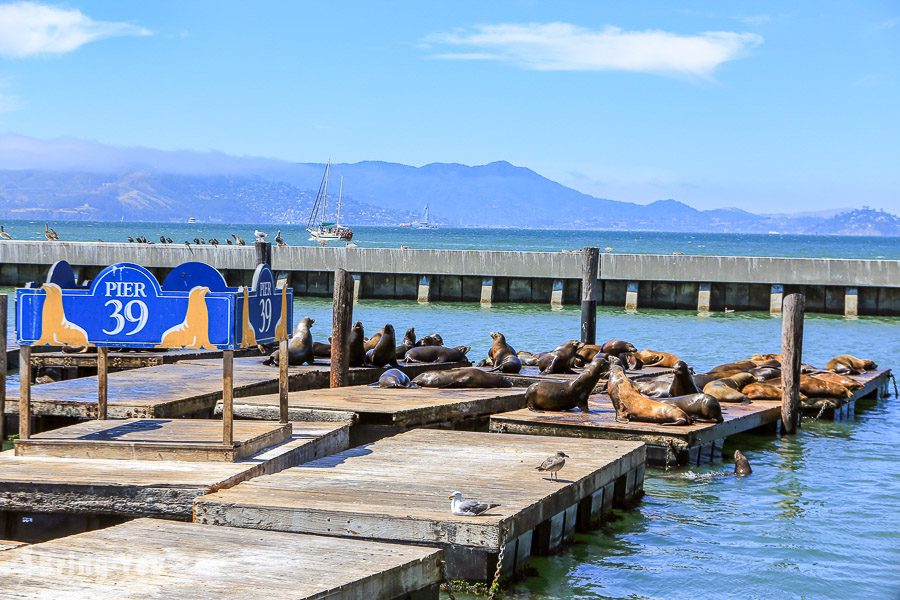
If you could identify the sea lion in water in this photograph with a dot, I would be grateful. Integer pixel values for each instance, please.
(814, 387)
(847, 364)
(385, 351)
(394, 378)
(300, 347)
(631, 405)
(432, 339)
(503, 356)
(356, 346)
(655, 358)
(437, 354)
(617, 347)
(700, 407)
(321, 350)
(409, 341)
(554, 395)
(561, 359)
(682, 384)
(464, 377)
(741, 464)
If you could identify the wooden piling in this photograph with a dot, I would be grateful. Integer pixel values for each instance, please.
(102, 381)
(342, 315)
(791, 357)
(589, 294)
(24, 391)
(263, 253)
(228, 397)
(283, 381)
(3, 358)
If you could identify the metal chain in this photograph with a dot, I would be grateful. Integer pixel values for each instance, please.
(444, 579)
(893, 379)
(495, 585)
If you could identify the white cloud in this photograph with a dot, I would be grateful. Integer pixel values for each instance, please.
(567, 47)
(888, 24)
(30, 29)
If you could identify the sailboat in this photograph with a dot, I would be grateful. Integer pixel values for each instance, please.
(425, 223)
(319, 229)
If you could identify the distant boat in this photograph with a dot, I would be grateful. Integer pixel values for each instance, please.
(319, 229)
(424, 223)
(192, 219)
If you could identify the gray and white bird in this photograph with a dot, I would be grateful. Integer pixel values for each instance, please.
(3, 234)
(553, 464)
(468, 508)
(280, 240)
(260, 235)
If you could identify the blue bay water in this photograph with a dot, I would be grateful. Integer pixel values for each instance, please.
(817, 519)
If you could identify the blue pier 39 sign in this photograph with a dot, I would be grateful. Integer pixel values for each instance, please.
(126, 307)
(264, 313)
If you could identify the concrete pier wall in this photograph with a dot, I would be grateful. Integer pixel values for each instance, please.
(841, 286)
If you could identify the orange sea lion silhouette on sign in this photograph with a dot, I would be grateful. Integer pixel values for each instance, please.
(193, 332)
(281, 325)
(248, 335)
(56, 330)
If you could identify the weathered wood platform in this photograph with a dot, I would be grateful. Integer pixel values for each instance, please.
(397, 490)
(151, 558)
(875, 384)
(149, 487)
(194, 440)
(378, 412)
(185, 388)
(666, 445)
(133, 359)
(9, 545)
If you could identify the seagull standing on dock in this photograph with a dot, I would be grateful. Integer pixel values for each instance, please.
(260, 235)
(3, 234)
(553, 464)
(280, 240)
(468, 508)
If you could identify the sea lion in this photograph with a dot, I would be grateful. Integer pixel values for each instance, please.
(432, 339)
(503, 356)
(682, 384)
(464, 377)
(702, 379)
(741, 365)
(394, 378)
(700, 407)
(193, 332)
(655, 358)
(814, 387)
(561, 359)
(741, 379)
(762, 391)
(437, 354)
(409, 341)
(724, 390)
(356, 346)
(57, 330)
(554, 395)
(847, 382)
(741, 464)
(763, 358)
(616, 347)
(385, 351)
(300, 347)
(587, 352)
(632, 361)
(631, 405)
(765, 373)
(847, 364)
(527, 358)
(371, 342)
(321, 350)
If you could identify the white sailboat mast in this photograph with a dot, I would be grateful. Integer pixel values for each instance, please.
(325, 192)
(340, 199)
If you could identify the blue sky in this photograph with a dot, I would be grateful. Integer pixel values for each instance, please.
(768, 106)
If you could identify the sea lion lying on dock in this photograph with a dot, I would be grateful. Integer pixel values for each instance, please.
(700, 407)
(409, 341)
(356, 346)
(631, 405)
(655, 358)
(848, 382)
(502, 356)
(814, 387)
(394, 378)
(733, 367)
(464, 377)
(561, 360)
(321, 350)
(682, 384)
(437, 354)
(432, 339)
(727, 389)
(385, 351)
(761, 374)
(528, 359)
(371, 342)
(846, 364)
(555, 395)
(617, 347)
(587, 352)
(300, 347)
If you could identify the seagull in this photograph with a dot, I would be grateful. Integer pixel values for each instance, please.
(214, 242)
(169, 240)
(260, 235)
(553, 464)
(468, 508)
(162, 239)
(3, 234)
(130, 240)
(280, 240)
(227, 241)
(608, 249)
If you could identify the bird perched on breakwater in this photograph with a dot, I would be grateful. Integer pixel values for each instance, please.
(3, 234)
(553, 464)
(238, 240)
(214, 242)
(260, 235)
(50, 234)
(280, 240)
(468, 508)
(227, 241)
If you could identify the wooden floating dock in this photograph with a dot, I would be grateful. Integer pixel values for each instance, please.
(377, 412)
(185, 388)
(666, 445)
(165, 487)
(10, 545)
(529, 375)
(397, 490)
(152, 558)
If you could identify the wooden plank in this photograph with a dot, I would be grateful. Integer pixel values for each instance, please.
(130, 359)
(396, 489)
(155, 558)
(10, 544)
(149, 487)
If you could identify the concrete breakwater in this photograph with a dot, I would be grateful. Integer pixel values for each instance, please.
(700, 283)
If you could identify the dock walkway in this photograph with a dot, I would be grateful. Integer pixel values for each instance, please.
(397, 490)
(151, 558)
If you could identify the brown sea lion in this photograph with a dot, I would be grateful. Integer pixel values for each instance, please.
(741, 365)
(561, 359)
(741, 379)
(300, 347)
(356, 346)
(371, 342)
(703, 378)
(632, 361)
(765, 373)
(814, 387)
(741, 464)
(631, 405)
(527, 358)
(847, 382)
(432, 339)
(700, 407)
(762, 391)
(394, 378)
(437, 354)
(587, 352)
(681, 384)
(554, 395)
(617, 347)
(409, 341)
(724, 390)
(464, 377)
(764, 358)
(385, 351)
(503, 356)
(655, 358)
(847, 364)
(321, 350)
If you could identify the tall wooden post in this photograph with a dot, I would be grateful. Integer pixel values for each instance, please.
(342, 315)
(228, 397)
(3, 358)
(102, 381)
(283, 381)
(791, 357)
(589, 270)
(263, 253)
(24, 392)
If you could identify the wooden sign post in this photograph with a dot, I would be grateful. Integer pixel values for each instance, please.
(342, 316)
(102, 381)
(791, 357)
(24, 392)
